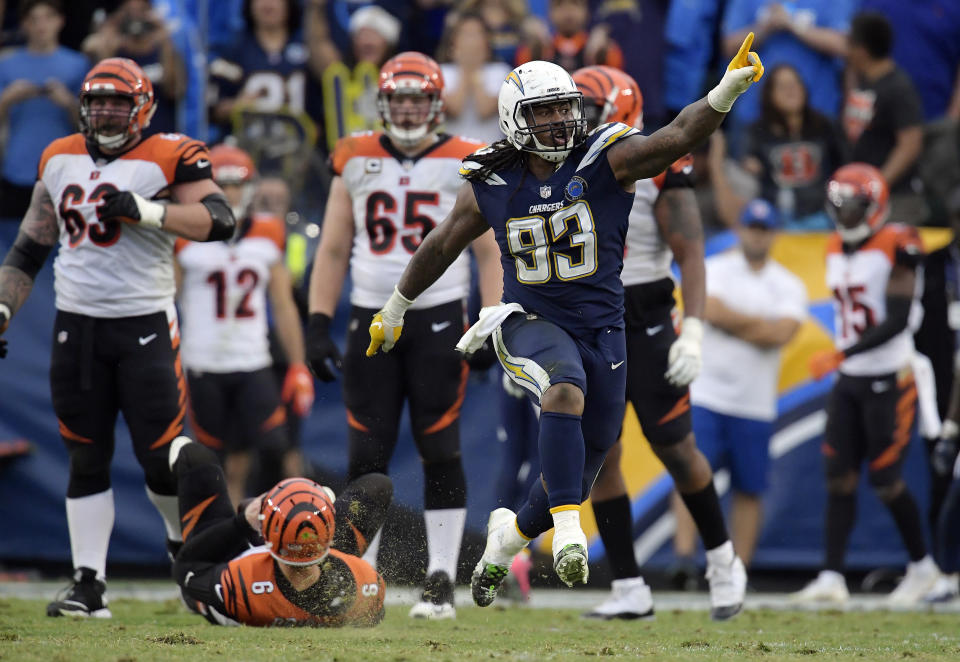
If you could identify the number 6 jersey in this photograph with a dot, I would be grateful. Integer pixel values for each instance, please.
(858, 280)
(397, 200)
(109, 268)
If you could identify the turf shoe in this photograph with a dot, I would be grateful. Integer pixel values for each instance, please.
(629, 599)
(947, 589)
(436, 601)
(920, 579)
(829, 586)
(727, 579)
(83, 598)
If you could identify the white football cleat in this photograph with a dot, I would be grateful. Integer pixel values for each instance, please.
(920, 579)
(570, 555)
(828, 587)
(629, 599)
(728, 582)
(494, 563)
(946, 589)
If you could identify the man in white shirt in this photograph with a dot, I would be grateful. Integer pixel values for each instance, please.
(754, 307)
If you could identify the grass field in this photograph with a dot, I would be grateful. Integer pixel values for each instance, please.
(143, 631)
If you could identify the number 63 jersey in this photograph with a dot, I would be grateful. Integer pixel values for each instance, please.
(858, 280)
(110, 268)
(397, 200)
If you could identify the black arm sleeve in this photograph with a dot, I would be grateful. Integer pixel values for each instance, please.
(898, 313)
(27, 255)
(222, 222)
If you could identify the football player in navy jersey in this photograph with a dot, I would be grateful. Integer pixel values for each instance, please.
(559, 201)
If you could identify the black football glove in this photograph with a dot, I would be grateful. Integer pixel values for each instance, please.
(484, 358)
(131, 207)
(321, 350)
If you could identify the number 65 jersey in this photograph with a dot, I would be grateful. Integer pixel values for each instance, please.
(397, 200)
(858, 280)
(109, 268)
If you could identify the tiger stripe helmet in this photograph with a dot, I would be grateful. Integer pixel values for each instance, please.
(609, 95)
(410, 73)
(232, 166)
(117, 76)
(297, 521)
(857, 201)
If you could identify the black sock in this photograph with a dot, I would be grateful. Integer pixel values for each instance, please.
(615, 524)
(704, 507)
(906, 515)
(841, 511)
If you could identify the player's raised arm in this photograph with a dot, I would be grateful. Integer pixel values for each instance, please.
(640, 157)
(38, 233)
(437, 252)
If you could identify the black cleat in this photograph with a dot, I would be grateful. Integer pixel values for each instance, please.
(436, 601)
(84, 598)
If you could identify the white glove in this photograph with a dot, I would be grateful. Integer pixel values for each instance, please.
(387, 324)
(683, 360)
(744, 69)
(513, 389)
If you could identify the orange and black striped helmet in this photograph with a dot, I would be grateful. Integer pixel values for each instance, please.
(410, 73)
(117, 76)
(231, 165)
(858, 201)
(609, 95)
(297, 521)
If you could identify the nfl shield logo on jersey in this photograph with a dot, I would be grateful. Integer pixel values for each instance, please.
(545, 192)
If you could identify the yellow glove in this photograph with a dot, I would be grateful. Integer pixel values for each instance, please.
(382, 334)
(744, 69)
(747, 58)
(386, 326)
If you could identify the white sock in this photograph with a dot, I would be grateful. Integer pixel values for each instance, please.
(505, 543)
(90, 521)
(169, 509)
(444, 533)
(566, 522)
(370, 556)
(722, 555)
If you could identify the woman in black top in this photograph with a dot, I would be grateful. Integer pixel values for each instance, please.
(792, 150)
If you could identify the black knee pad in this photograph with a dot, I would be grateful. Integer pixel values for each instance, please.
(445, 484)
(89, 471)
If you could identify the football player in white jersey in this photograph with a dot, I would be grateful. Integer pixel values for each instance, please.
(235, 403)
(116, 337)
(391, 188)
(664, 223)
(873, 269)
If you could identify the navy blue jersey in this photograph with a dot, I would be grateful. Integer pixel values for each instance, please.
(275, 80)
(561, 240)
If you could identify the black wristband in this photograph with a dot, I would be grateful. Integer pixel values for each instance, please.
(319, 322)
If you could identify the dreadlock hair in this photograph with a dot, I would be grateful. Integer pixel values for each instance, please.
(501, 155)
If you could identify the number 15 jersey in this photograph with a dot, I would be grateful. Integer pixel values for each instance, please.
(397, 200)
(858, 280)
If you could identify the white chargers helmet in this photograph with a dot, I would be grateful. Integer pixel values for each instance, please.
(533, 84)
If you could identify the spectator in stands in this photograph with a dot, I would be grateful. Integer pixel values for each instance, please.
(135, 31)
(792, 150)
(754, 307)
(927, 46)
(639, 28)
(809, 34)
(572, 46)
(508, 22)
(882, 115)
(723, 187)
(689, 33)
(261, 92)
(472, 81)
(38, 100)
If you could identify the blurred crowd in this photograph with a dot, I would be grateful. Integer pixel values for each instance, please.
(848, 80)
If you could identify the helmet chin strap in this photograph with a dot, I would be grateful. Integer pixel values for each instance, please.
(855, 234)
(407, 137)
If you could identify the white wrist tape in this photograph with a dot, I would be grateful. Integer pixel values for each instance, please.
(395, 307)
